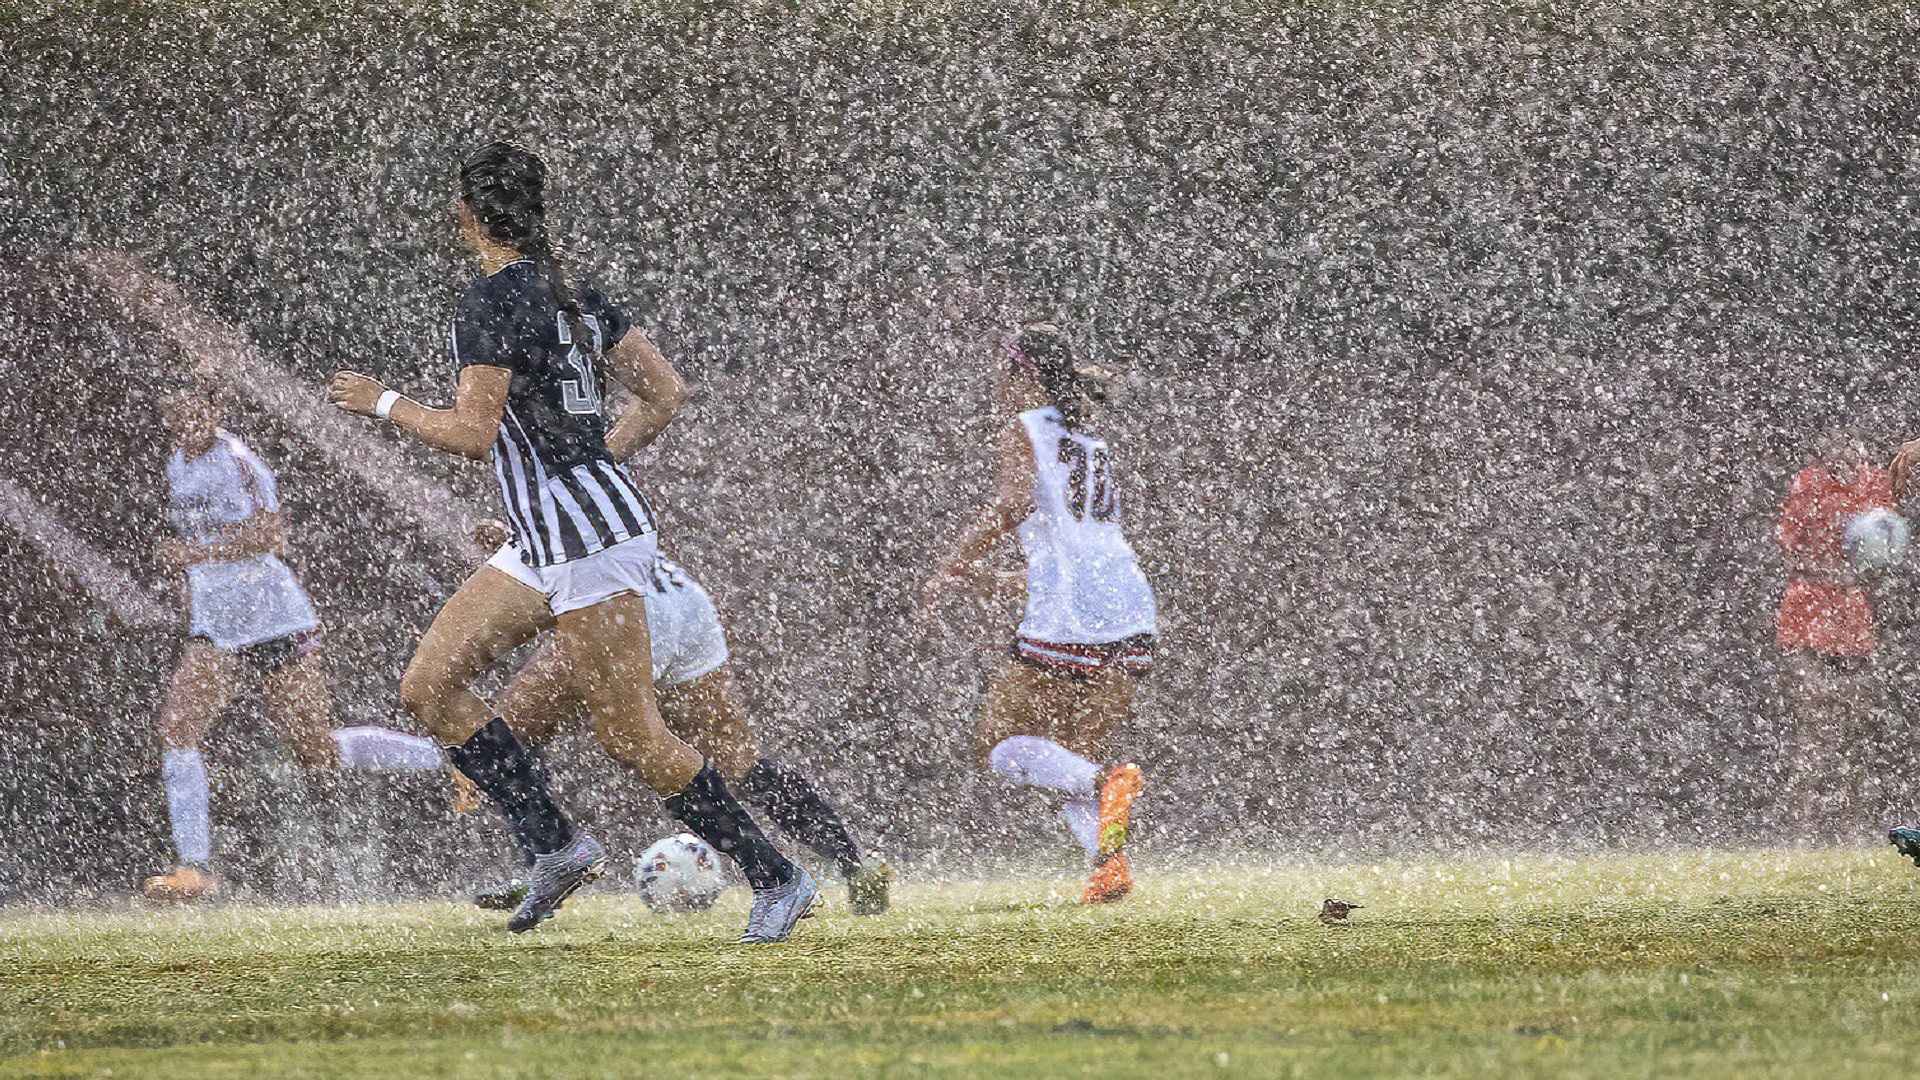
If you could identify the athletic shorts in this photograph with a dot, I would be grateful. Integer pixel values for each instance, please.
(626, 567)
(688, 641)
(275, 656)
(1133, 655)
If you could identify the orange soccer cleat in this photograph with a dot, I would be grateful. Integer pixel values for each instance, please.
(1117, 792)
(184, 885)
(1110, 882)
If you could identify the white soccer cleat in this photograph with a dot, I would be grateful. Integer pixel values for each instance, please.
(555, 875)
(778, 910)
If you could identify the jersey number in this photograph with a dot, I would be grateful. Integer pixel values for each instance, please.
(580, 394)
(1098, 499)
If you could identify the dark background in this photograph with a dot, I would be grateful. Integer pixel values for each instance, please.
(1465, 354)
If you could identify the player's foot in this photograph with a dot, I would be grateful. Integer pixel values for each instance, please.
(184, 884)
(1117, 792)
(501, 896)
(1110, 882)
(555, 876)
(778, 910)
(1906, 841)
(867, 888)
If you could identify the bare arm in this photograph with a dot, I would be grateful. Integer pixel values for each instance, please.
(965, 566)
(265, 533)
(658, 392)
(468, 429)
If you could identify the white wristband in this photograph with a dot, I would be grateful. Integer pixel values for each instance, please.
(384, 407)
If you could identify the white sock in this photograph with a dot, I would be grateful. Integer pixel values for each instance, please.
(1046, 763)
(378, 749)
(185, 773)
(1083, 817)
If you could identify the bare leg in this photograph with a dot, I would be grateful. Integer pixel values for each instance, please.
(203, 686)
(303, 710)
(489, 615)
(1016, 703)
(541, 695)
(611, 659)
(707, 712)
(1089, 711)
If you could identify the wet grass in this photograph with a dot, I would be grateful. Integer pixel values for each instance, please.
(1754, 964)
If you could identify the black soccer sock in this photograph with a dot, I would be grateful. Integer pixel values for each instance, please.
(796, 806)
(710, 812)
(495, 760)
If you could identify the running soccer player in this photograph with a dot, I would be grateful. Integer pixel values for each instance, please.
(247, 615)
(694, 685)
(531, 350)
(1087, 636)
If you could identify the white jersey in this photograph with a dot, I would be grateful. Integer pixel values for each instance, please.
(245, 601)
(1084, 586)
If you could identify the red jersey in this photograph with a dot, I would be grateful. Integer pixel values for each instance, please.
(1825, 608)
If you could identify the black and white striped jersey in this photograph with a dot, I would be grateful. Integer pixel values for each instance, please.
(565, 496)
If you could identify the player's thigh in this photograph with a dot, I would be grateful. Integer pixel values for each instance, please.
(708, 715)
(489, 615)
(1016, 698)
(609, 664)
(1092, 708)
(540, 695)
(303, 708)
(203, 685)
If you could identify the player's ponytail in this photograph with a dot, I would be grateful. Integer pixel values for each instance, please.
(506, 186)
(1044, 352)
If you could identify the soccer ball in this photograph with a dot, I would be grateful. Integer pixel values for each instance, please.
(1876, 540)
(679, 874)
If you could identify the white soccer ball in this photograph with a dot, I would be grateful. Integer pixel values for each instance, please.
(679, 874)
(1876, 540)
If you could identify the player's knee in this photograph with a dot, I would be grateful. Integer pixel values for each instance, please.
(422, 692)
(739, 764)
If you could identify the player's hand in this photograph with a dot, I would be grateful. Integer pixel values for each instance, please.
(1902, 470)
(490, 533)
(354, 392)
(175, 554)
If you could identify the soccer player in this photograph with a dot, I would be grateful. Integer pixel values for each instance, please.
(1824, 630)
(531, 349)
(248, 617)
(1088, 632)
(694, 686)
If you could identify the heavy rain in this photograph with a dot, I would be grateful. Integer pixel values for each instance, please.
(1462, 357)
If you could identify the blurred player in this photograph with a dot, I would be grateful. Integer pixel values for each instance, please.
(1824, 630)
(1087, 635)
(531, 351)
(248, 617)
(694, 685)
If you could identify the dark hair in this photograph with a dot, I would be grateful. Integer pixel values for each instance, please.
(506, 188)
(1044, 351)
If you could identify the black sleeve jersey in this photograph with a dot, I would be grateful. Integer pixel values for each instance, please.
(565, 497)
(511, 320)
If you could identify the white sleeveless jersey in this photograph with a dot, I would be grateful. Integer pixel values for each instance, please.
(245, 601)
(1084, 586)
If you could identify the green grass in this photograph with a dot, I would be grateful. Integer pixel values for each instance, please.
(1698, 965)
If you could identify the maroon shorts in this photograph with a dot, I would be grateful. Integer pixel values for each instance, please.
(1133, 655)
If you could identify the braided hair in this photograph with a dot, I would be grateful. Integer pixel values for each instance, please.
(505, 187)
(1042, 350)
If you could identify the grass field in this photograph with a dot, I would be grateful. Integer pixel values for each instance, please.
(1700, 965)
